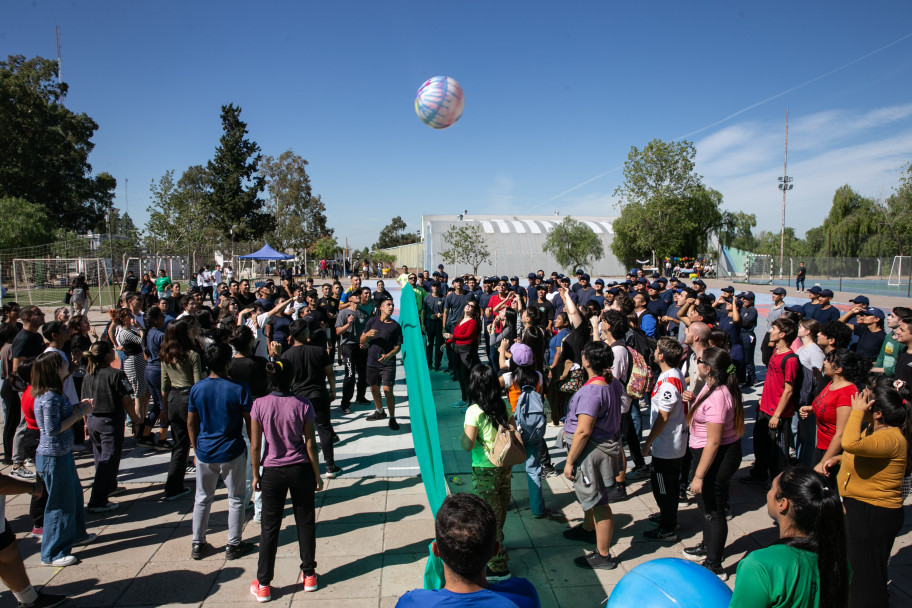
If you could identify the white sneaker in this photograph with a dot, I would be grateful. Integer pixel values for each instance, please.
(23, 473)
(60, 562)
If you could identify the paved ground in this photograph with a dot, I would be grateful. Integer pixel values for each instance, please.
(374, 526)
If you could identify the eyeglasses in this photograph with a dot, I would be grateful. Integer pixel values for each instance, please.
(701, 361)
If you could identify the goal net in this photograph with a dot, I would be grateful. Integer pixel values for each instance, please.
(758, 269)
(45, 281)
(902, 265)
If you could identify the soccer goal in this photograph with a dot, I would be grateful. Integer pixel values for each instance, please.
(902, 265)
(45, 281)
(758, 269)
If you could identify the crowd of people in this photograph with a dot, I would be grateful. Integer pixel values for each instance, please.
(242, 377)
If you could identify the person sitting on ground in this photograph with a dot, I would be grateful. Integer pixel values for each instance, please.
(465, 530)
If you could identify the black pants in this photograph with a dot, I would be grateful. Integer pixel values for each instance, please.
(323, 424)
(13, 413)
(275, 484)
(770, 446)
(629, 434)
(766, 351)
(107, 435)
(178, 399)
(714, 497)
(749, 345)
(434, 333)
(665, 476)
(545, 456)
(465, 358)
(354, 359)
(870, 532)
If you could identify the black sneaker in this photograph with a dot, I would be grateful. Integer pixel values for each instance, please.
(239, 550)
(695, 554)
(163, 446)
(345, 409)
(495, 575)
(749, 478)
(45, 600)
(728, 514)
(654, 518)
(199, 550)
(619, 494)
(377, 415)
(361, 401)
(579, 533)
(638, 473)
(715, 569)
(549, 472)
(596, 561)
(660, 534)
(146, 441)
(394, 426)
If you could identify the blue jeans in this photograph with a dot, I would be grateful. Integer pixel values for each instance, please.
(534, 477)
(64, 515)
(153, 379)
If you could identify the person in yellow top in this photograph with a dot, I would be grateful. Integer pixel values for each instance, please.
(876, 444)
(403, 278)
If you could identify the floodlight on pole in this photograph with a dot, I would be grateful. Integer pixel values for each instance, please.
(785, 184)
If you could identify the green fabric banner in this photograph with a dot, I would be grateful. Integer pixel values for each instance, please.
(423, 417)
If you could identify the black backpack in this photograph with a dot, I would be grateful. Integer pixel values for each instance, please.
(643, 344)
(804, 382)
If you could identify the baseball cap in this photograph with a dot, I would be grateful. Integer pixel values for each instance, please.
(531, 275)
(796, 308)
(779, 291)
(874, 312)
(505, 278)
(662, 280)
(699, 282)
(584, 277)
(815, 289)
(655, 285)
(861, 300)
(599, 282)
(748, 295)
(514, 278)
(614, 291)
(542, 286)
(642, 280)
(522, 354)
(580, 271)
(826, 293)
(728, 289)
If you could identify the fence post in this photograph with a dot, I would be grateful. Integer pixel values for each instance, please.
(859, 267)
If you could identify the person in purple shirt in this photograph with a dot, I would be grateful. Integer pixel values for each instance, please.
(289, 463)
(466, 538)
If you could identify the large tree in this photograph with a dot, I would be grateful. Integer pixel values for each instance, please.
(573, 244)
(300, 215)
(24, 223)
(234, 181)
(44, 147)
(666, 210)
(466, 244)
(179, 217)
(394, 235)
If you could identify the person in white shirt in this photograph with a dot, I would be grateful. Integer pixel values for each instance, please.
(667, 440)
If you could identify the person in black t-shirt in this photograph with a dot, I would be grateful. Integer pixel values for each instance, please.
(383, 338)
(869, 329)
(312, 369)
(245, 366)
(545, 308)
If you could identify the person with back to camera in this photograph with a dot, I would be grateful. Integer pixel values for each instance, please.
(465, 530)
(875, 459)
(807, 566)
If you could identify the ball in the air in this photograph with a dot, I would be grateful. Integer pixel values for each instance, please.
(439, 102)
(670, 583)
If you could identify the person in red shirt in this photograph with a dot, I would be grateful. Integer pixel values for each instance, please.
(773, 428)
(465, 346)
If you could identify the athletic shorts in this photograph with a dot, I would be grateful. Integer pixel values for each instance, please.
(381, 376)
(6, 537)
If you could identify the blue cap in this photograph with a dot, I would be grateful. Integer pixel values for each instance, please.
(728, 289)
(796, 308)
(655, 285)
(779, 291)
(599, 282)
(861, 300)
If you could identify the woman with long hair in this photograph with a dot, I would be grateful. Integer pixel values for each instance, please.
(130, 338)
(876, 447)
(465, 345)
(716, 421)
(594, 456)
(289, 464)
(181, 368)
(112, 400)
(10, 313)
(491, 483)
(807, 566)
(64, 516)
(80, 325)
(831, 408)
(154, 321)
(9, 396)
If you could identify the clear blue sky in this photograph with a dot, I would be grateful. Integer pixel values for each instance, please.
(556, 93)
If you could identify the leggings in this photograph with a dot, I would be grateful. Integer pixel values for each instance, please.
(714, 497)
(870, 532)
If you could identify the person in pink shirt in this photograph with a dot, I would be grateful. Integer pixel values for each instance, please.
(716, 423)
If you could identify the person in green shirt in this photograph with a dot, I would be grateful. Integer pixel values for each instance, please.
(886, 360)
(420, 293)
(489, 482)
(807, 567)
(162, 283)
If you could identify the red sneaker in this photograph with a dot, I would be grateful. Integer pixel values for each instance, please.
(261, 593)
(309, 582)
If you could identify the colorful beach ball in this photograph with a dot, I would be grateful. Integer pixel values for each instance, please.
(439, 102)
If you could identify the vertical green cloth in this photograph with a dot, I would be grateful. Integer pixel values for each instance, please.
(423, 417)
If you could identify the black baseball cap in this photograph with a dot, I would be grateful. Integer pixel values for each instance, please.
(699, 282)
(727, 289)
(796, 308)
(599, 282)
(815, 289)
(861, 300)
(532, 275)
(655, 285)
(779, 291)
(826, 293)
(584, 277)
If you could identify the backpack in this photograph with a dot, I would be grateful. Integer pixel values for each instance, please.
(803, 389)
(530, 415)
(77, 295)
(640, 377)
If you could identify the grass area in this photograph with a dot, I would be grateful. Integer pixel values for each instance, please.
(53, 296)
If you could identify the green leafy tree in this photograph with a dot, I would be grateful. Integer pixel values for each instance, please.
(300, 215)
(326, 247)
(666, 210)
(736, 230)
(466, 244)
(179, 218)
(895, 216)
(44, 147)
(573, 244)
(235, 183)
(24, 223)
(394, 235)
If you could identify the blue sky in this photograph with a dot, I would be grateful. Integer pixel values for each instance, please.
(556, 93)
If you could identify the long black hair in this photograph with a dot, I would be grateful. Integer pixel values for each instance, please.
(894, 400)
(816, 511)
(854, 368)
(723, 373)
(534, 338)
(484, 390)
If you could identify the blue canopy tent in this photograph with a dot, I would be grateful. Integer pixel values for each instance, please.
(267, 253)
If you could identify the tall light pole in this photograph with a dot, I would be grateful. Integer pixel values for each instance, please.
(785, 184)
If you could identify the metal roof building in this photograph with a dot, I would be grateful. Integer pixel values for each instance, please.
(515, 243)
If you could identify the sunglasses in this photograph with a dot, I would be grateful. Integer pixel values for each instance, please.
(699, 360)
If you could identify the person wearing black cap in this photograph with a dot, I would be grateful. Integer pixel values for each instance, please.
(859, 305)
(559, 302)
(810, 309)
(799, 278)
(657, 306)
(546, 308)
(584, 291)
(519, 290)
(748, 324)
(869, 329)
(599, 295)
(444, 277)
(699, 286)
(483, 298)
(453, 307)
(433, 325)
(826, 312)
(775, 311)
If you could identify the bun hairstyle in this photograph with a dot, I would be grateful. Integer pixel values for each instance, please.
(279, 376)
(97, 356)
(600, 358)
